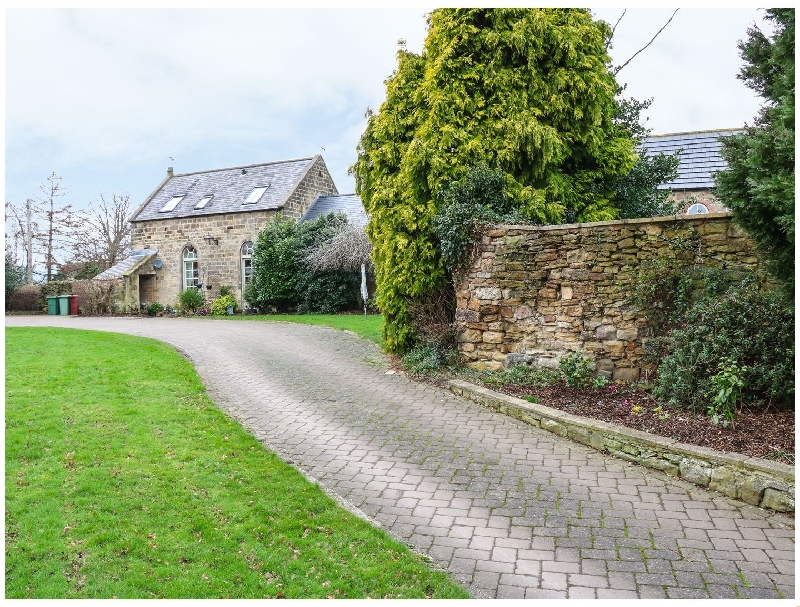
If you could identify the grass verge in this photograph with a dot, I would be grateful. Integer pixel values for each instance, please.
(124, 480)
(369, 327)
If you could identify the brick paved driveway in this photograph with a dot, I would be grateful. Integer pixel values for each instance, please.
(509, 510)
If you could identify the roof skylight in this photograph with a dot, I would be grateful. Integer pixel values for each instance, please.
(170, 206)
(255, 195)
(203, 202)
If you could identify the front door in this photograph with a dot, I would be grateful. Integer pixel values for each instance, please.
(147, 289)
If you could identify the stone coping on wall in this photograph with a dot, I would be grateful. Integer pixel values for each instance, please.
(755, 481)
(614, 222)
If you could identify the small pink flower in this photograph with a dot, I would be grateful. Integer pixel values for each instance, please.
(612, 388)
(624, 402)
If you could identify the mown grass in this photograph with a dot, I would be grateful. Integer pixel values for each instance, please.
(124, 480)
(369, 327)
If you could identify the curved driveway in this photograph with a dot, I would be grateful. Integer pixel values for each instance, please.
(511, 511)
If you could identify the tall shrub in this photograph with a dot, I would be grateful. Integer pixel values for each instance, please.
(26, 298)
(323, 292)
(467, 205)
(15, 276)
(283, 277)
(748, 326)
(274, 268)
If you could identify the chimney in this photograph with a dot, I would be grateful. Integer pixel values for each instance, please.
(169, 172)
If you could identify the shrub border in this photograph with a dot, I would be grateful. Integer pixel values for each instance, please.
(755, 481)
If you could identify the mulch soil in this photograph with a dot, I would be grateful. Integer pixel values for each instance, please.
(764, 434)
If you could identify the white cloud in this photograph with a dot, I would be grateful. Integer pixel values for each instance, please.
(690, 69)
(105, 97)
(123, 83)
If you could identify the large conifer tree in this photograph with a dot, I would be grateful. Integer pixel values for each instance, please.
(526, 91)
(758, 185)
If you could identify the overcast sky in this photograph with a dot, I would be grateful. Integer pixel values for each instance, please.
(108, 98)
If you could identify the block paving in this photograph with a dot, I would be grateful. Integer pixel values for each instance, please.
(509, 510)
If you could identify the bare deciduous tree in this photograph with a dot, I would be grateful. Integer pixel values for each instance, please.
(104, 237)
(55, 237)
(617, 69)
(15, 234)
(345, 252)
(67, 240)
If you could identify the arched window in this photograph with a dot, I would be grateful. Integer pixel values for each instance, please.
(247, 264)
(697, 209)
(191, 272)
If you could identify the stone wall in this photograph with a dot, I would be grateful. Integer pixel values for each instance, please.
(219, 264)
(684, 199)
(536, 294)
(316, 181)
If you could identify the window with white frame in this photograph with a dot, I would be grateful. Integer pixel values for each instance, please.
(191, 271)
(203, 202)
(247, 264)
(697, 209)
(255, 195)
(171, 204)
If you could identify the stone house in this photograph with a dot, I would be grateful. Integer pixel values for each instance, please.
(700, 158)
(198, 229)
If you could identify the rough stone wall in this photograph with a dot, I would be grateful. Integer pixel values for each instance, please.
(317, 181)
(219, 264)
(536, 294)
(686, 198)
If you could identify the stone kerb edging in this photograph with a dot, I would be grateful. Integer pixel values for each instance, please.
(755, 481)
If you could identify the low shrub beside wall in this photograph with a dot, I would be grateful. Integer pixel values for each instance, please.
(27, 298)
(95, 297)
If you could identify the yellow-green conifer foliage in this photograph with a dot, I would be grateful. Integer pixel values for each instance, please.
(527, 91)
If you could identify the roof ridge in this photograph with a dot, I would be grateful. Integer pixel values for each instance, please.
(244, 166)
(728, 130)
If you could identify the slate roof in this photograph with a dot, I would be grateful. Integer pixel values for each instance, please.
(127, 265)
(699, 156)
(349, 204)
(229, 188)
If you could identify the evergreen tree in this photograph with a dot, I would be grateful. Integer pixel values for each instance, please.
(758, 185)
(15, 277)
(525, 91)
(636, 193)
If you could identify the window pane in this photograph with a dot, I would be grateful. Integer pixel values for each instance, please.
(173, 202)
(203, 202)
(255, 195)
(191, 269)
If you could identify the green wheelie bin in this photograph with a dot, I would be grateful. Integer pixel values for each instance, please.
(52, 305)
(63, 305)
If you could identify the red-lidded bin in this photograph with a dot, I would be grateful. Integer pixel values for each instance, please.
(73, 305)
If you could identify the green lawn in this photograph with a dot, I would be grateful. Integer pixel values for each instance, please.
(123, 480)
(369, 327)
